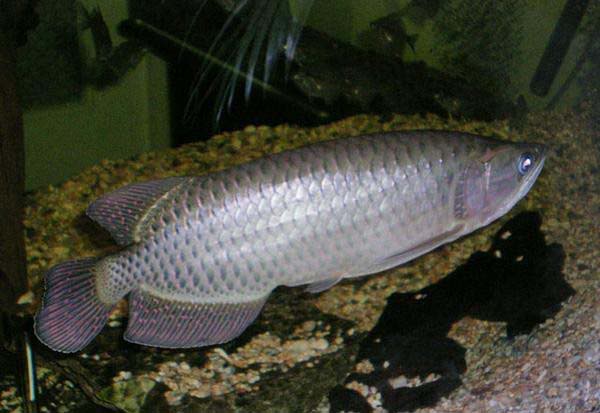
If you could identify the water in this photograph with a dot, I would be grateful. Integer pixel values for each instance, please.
(506, 318)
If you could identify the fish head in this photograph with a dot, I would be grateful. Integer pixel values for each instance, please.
(495, 181)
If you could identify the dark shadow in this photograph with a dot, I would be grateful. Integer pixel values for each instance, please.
(94, 233)
(518, 281)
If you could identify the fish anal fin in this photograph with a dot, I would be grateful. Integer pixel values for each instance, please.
(123, 212)
(160, 322)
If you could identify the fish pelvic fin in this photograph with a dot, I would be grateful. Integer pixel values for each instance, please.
(160, 322)
(128, 212)
(71, 314)
(320, 286)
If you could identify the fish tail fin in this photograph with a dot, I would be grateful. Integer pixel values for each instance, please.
(71, 314)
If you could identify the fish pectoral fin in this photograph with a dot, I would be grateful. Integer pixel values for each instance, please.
(323, 285)
(160, 322)
(416, 251)
(124, 212)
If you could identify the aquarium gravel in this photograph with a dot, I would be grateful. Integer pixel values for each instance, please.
(555, 367)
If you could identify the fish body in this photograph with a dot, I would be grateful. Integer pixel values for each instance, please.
(202, 254)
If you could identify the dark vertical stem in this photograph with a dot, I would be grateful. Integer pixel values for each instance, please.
(12, 181)
(13, 271)
(557, 47)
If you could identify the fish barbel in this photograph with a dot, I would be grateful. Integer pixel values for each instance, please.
(202, 254)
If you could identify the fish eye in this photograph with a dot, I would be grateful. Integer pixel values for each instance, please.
(525, 163)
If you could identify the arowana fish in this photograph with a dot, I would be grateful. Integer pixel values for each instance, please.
(202, 254)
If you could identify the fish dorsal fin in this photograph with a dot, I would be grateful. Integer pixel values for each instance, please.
(125, 211)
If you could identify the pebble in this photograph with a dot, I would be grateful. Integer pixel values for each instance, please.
(309, 326)
(398, 382)
(553, 392)
(320, 344)
(592, 356)
(299, 346)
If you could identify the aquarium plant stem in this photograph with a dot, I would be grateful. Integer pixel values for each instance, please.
(557, 47)
(212, 60)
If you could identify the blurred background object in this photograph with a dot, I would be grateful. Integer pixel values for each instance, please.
(169, 73)
(70, 122)
(17, 19)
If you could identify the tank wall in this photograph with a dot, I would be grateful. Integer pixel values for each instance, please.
(121, 121)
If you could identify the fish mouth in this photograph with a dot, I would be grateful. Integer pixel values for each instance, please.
(540, 151)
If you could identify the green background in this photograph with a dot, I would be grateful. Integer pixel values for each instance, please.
(69, 126)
